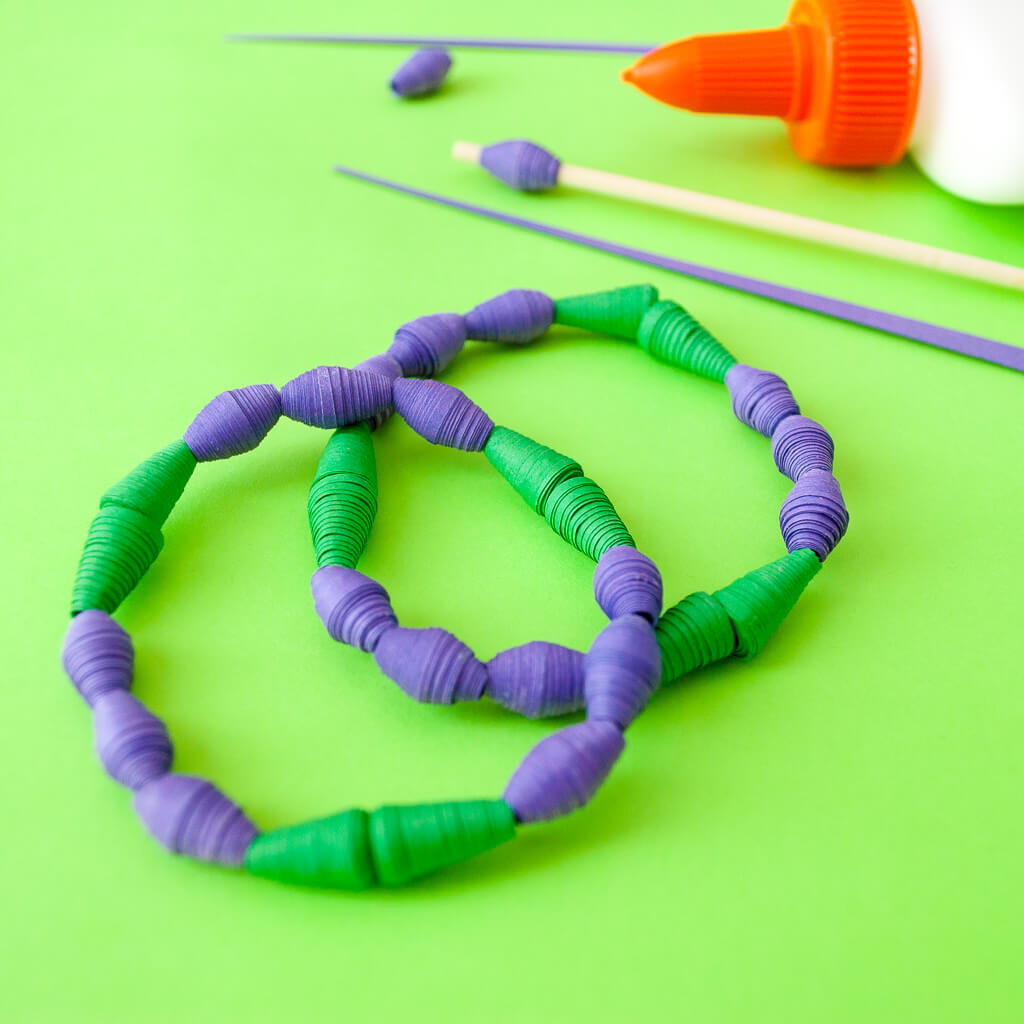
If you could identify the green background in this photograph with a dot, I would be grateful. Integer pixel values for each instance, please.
(832, 832)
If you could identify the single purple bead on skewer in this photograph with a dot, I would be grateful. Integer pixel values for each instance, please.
(334, 396)
(814, 514)
(355, 609)
(760, 399)
(97, 655)
(442, 414)
(515, 317)
(621, 670)
(189, 815)
(537, 679)
(563, 771)
(233, 422)
(131, 742)
(431, 665)
(521, 164)
(422, 74)
(425, 346)
(627, 582)
(800, 445)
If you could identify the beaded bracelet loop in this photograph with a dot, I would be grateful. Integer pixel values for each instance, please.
(639, 649)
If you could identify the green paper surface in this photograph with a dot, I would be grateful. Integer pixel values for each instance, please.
(832, 832)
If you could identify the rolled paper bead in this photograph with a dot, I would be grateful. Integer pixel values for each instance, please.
(537, 679)
(355, 609)
(121, 545)
(759, 601)
(154, 486)
(814, 514)
(442, 414)
(800, 445)
(563, 771)
(521, 164)
(131, 742)
(425, 346)
(234, 422)
(580, 512)
(670, 334)
(189, 815)
(621, 670)
(409, 842)
(342, 501)
(97, 655)
(431, 665)
(386, 366)
(692, 634)
(618, 312)
(760, 399)
(515, 317)
(334, 396)
(627, 582)
(422, 74)
(533, 469)
(331, 853)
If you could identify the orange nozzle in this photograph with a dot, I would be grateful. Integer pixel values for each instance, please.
(843, 75)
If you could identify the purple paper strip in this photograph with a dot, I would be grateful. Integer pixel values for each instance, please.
(462, 42)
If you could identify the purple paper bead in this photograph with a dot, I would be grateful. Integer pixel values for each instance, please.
(814, 514)
(516, 316)
(537, 679)
(234, 422)
(334, 396)
(386, 366)
(425, 346)
(621, 670)
(521, 164)
(431, 665)
(131, 742)
(97, 655)
(760, 399)
(442, 414)
(563, 771)
(355, 609)
(192, 816)
(800, 445)
(422, 73)
(627, 582)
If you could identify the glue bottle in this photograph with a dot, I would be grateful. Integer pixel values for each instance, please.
(861, 82)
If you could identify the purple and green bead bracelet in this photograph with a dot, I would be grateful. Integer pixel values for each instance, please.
(639, 649)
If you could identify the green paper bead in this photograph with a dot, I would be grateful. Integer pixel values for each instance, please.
(693, 634)
(408, 842)
(669, 333)
(532, 469)
(155, 485)
(580, 512)
(343, 497)
(617, 312)
(122, 544)
(331, 853)
(759, 601)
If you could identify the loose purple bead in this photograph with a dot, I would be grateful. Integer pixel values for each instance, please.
(97, 655)
(521, 164)
(131, 742)
(334, 396)
(431, 665)
(422, 73)
(621, 670)
(537, 679)
(800, 445)
(627, 582)
(563, 771)
(355, 609)
(425, 346)
(516, 317)
(442, 414)
(234, 422)
(189, 815)
(814, 514)
(760, 399)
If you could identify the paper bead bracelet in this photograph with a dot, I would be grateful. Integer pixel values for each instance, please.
(639, 649)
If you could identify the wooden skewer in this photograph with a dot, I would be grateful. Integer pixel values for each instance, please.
(777, 222)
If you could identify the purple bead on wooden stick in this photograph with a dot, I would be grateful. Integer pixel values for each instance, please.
(521, 164)
(431, 665)
(515, 317)
(234, 422)
(97, 655)
(355, 609)
(334, 396)
(760, 399)
(422, 74)
(814, 514)
(627, 582)
(425, 346)
(442, 414)
(799, 445)
(131, 742)
(621, 670)
(537, 679)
